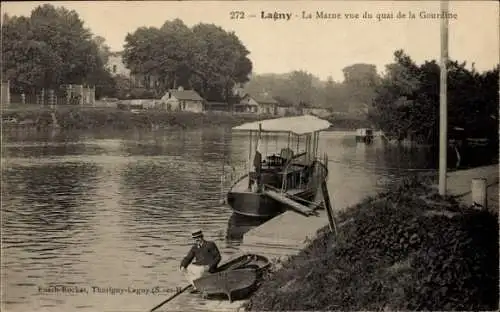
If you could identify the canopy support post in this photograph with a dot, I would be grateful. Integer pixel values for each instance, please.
(276, 143)
(250, 160)
(298, 143)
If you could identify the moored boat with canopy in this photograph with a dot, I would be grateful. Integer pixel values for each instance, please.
(289, 177)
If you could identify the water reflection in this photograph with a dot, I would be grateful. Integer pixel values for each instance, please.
(48, 196)
(116, 209)
(238, 225)
(46, 215)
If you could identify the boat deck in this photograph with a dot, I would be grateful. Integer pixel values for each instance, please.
(242, 187)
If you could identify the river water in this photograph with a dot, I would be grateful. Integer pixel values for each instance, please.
(104, 215)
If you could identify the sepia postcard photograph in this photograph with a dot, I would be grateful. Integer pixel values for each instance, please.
(249, 156)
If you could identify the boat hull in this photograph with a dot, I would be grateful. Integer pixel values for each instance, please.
(237, 275)
(258, 205)
(247, 260)
(227, 282)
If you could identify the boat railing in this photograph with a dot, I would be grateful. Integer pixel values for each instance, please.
(228, 178)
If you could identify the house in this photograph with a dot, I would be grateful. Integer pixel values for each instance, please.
(116, 66)
(262, 104)
(182, 100)
(288, 110)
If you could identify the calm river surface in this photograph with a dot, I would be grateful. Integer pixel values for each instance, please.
(114, 210)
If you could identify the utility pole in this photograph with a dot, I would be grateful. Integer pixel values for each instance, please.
(443, 111)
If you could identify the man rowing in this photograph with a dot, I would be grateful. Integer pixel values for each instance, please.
(206, 257)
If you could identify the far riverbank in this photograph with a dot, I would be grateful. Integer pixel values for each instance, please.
(69, 117)
(105, 117)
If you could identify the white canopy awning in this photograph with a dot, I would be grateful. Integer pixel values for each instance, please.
(298, 125)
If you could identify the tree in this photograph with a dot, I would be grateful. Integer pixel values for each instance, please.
(395, 96)
(360, 81)
(361, 74)
(50, 48)
(336, 97)
(301, 88)
(103, 48)
(406, 104)
(205, 58)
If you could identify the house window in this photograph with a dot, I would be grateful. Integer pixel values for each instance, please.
(114, 69)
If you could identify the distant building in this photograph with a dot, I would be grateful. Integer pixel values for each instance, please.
(262, 104)
(239, 90)
(316, 111)
(284, 109)
(182, 100)
(116, 66)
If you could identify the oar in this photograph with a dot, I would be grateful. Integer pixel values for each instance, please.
(171, 297)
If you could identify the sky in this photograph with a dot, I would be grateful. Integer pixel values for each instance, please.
(322, 47)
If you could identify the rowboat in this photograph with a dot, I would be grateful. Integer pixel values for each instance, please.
(364, 135)
(288, 177)
(239, 274)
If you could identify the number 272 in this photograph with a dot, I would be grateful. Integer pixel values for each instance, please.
(237, 14)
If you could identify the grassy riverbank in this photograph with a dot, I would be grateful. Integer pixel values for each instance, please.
(92, 118)
(408, 249)
(71, 117)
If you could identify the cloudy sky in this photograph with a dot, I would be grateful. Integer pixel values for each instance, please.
(320, 46)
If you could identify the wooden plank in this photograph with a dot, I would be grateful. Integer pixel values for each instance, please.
(329, 209)
(287, 201)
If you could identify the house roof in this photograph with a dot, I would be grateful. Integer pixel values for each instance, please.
(186, 95)
(263, 99)
(298, 125)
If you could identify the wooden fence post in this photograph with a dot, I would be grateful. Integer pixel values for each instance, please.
(329, 209)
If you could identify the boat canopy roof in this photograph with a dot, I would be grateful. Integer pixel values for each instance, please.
(298, 125)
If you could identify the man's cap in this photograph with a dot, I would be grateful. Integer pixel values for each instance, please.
(197, 234)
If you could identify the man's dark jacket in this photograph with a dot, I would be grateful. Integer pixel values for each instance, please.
(207, 254)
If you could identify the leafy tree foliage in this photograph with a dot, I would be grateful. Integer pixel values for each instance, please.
(360, 81)
(50, 48)
(406, 104)
(301, 88)
(204, 57)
